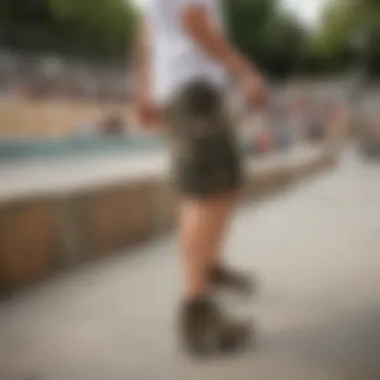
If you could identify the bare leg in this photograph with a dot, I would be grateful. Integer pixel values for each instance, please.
(219, 274)
(225, 210)
(207, 168)
(202, 225)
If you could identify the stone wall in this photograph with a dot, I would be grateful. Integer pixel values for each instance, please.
(40, 235)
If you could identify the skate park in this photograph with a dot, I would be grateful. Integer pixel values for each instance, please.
(91, 284)
(90, 267)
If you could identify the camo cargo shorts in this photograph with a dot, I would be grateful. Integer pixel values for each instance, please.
(205, 155)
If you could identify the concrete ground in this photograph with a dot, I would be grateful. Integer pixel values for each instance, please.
(316, 252)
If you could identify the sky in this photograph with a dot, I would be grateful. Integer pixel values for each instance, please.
(308, 11)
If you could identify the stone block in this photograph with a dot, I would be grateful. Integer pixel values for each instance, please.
(114, 217)
(140, 214)
(71, 246)
(27, 243)
(166, 206)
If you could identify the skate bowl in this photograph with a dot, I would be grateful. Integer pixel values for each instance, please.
(66, 212)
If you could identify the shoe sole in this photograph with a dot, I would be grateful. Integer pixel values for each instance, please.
(212, 347)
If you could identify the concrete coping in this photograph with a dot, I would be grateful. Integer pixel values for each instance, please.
(65, 177)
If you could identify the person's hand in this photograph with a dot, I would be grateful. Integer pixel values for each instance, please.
(254, 90)
(147, 113)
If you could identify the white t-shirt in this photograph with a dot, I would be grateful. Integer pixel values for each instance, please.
(175, 59)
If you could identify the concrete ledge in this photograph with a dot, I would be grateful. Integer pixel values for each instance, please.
(61, 226)
(264, 182)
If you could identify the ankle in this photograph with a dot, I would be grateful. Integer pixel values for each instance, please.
(195, 288)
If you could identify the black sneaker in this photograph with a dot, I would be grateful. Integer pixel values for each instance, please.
(221, 277)
(206, 331)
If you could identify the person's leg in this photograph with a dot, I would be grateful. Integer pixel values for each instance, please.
(207, 173)
(204, 326)
(202, 226)
(220, 274)
(224, 211)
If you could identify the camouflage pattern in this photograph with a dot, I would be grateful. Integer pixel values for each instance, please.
(205, 153)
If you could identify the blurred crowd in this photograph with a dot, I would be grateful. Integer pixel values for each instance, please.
(288, 122)
(112, 125)
(289, 119)
(40, 78)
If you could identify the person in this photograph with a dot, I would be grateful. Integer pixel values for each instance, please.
(181, 67)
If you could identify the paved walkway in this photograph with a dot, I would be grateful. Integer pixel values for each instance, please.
(316, 251)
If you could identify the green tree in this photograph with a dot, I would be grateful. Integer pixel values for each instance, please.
(86, 27)
(350, 32)
(106, 26)
(266, 35)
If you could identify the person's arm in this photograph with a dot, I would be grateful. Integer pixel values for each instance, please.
(196, 22)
